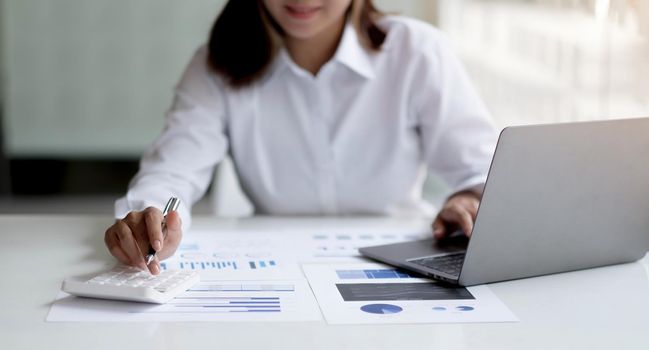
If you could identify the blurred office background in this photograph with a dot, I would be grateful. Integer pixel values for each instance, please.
(85, 83)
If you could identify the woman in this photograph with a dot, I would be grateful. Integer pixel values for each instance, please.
(326, 107)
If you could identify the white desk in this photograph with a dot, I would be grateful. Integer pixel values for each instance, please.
(606, 308)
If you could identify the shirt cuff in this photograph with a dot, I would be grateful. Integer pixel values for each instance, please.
(473, 184)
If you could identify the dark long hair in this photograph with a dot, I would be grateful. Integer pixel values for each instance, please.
(242, 41)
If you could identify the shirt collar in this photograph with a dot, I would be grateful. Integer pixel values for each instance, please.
(350, 53)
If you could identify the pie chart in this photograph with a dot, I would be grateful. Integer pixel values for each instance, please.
(464, 308)
(381, 309)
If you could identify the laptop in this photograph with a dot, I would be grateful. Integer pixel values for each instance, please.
(558, 198)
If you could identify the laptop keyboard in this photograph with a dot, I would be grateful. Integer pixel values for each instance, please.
(450, 263)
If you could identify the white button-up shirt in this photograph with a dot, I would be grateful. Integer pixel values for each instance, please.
(357, 138)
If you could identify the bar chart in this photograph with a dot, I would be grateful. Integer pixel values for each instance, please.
(232, 298)
(372, 274)
(231, 265)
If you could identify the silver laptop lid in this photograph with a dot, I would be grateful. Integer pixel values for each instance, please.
(562, 197)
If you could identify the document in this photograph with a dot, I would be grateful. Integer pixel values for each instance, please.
(237, 255)
(342, 245)
(211, 300)
(363, 293)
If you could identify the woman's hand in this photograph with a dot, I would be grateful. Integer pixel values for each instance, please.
(459, 212)
(128, 239)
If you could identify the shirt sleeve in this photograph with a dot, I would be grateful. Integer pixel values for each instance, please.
(458, 136)
(181, 160)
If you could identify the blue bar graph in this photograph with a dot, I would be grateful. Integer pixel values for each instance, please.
(228, 298)
(372, 274)
(218, 265)
(230, 304)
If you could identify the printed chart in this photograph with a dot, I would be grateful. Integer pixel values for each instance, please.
(363, 293)
(218, 301)
(234, 256)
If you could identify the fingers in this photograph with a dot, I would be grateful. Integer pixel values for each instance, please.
(154, 266)
(456, 216)
(153, 220)
(457, 212)
(465, 222)
(129, 245)
(128, 239)
(439, 229)
(113, 247)
(174, 235)
(173, 223)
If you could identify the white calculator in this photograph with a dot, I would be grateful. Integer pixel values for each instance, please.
(129, 283)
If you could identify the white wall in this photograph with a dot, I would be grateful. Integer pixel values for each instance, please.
(93, 78)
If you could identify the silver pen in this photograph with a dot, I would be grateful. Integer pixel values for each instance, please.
(172, 205)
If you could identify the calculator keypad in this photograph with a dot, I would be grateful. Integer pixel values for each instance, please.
(133, 277)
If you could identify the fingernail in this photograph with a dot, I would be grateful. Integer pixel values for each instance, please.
(157, 245)
(155, 269)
